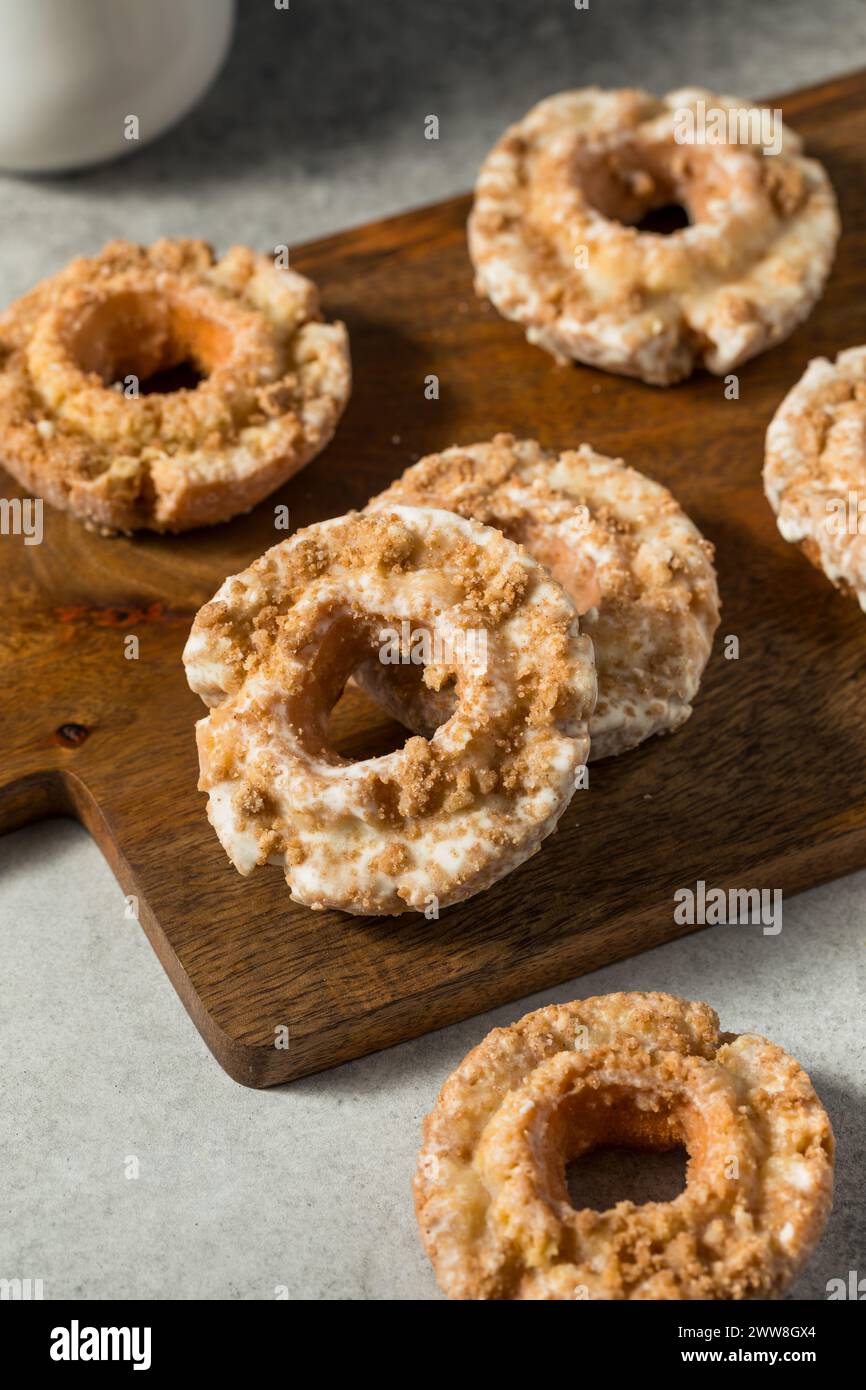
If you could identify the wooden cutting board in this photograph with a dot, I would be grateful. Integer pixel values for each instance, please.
(764, 787)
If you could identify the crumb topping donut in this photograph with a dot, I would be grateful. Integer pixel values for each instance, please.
(648, 1071)
(275, 381)
(436, 821)
(555, 245)
(637, 569)
(815, 468)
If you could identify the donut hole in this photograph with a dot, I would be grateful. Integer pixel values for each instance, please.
(658, 189)
(609, 1175)
(573, 568)
(664, 221)
(183, 377)
(339, 720)
(617, 1144)
(358, 729)
(165, 346)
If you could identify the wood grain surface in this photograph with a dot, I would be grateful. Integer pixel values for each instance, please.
(764, 787)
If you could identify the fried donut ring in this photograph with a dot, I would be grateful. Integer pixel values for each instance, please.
(646, 1070)
(433, 821)
(553, 239)
(815, 468)
(638, 571)
(276, 381)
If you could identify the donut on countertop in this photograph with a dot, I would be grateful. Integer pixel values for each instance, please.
(648, 1071)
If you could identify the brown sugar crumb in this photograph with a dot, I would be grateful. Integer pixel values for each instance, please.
(383, 542)
(494, 592)
(310, 559)
(460, 794)
(786, 185)
(420, 777)
(395, 859)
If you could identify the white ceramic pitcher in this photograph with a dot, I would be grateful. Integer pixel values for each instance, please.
(73, 73)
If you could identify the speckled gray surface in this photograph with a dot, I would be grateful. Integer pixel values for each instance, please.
(317, 123)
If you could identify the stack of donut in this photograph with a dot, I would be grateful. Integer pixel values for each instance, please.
(502, 539)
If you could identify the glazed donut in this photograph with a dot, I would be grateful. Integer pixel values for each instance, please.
(275, 382)
(555, 245)
(815, 468)
(642, 1070)
(433, 822)
(638, 571)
